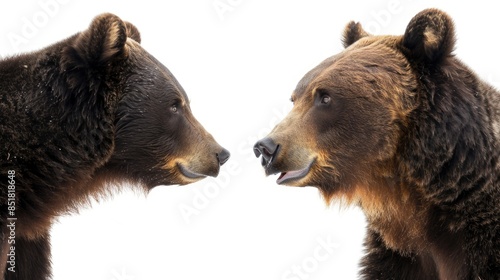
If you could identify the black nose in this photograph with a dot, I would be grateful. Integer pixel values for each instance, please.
(223, 156)
(267, 148)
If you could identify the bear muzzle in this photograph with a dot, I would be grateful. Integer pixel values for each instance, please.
(270, 150)
(197, 169)
(222, 156)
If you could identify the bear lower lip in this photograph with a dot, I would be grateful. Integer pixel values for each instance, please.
(188, 173)
(287, 176)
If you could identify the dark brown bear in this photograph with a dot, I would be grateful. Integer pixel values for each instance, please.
(402, 128)
(89, 111)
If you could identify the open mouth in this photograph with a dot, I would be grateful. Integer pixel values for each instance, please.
(293, 175)
(188, 173)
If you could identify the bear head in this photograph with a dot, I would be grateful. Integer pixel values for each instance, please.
(354, 111)
(156, 139)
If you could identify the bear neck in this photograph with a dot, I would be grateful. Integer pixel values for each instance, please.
(442, 176)
(449, 150)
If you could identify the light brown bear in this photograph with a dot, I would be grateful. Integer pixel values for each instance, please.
(401, 127)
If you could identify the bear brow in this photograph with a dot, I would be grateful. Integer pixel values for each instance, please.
(313, 75)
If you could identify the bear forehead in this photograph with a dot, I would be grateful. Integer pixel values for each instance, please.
(364, 61)
(149, 70)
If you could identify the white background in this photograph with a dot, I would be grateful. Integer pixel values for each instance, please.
(239, 64)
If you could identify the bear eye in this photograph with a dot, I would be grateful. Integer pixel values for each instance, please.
(173, 108)
(325, 99)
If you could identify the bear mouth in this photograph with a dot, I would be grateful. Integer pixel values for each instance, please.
(186, 172)
(294, 175)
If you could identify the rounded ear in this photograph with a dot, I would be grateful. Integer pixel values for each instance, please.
(103, 41)
(430, 36)
(352, 33)
(133, 32)
(87, 56)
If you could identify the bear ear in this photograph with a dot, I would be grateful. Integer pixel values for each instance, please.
(430, 36)
(133, 32)
(103, 41)
(352, 33)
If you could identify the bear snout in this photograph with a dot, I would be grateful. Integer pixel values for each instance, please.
(197, 168)
(268, 149)
(223, 156)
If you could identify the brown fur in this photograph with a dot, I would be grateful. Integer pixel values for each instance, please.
(81, 115)
(400, 127)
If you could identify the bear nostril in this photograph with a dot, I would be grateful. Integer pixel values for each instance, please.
(256, 151)
(223, 156)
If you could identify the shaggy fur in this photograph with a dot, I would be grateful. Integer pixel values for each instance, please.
(402, 128)
(90, 110)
